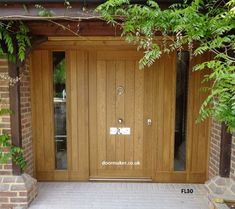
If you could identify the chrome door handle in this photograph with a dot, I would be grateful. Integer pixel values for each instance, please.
(120, 120)
(149, 122)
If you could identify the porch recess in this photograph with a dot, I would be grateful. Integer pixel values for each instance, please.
(104, 86)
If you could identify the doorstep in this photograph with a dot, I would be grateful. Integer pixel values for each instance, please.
(119, 195)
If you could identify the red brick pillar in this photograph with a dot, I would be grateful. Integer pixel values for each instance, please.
(17, 190)
(219, 187)
(214, 149)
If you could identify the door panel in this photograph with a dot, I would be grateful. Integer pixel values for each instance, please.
(77, 116)
(129, 110)
(197, 133)
(43, 131)
(164, 76)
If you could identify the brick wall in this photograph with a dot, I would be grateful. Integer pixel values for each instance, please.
(214, 149)
(26, 120)
(5, 119)
(17, 190)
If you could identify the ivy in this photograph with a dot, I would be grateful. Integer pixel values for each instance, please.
(205, 26)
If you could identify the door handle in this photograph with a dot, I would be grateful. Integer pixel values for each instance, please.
(120, 120)
(149, 122)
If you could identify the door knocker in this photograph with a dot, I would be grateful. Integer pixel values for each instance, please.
(120, 90)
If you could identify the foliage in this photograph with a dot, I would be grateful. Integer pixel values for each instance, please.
(43, 12)
(14, 40)
(202, 25)
(9, 151)
(59, 75)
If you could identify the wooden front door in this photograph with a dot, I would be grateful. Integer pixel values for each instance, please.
(120, 121)
(120, 101)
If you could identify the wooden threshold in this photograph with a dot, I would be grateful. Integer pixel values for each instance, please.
(141, 179)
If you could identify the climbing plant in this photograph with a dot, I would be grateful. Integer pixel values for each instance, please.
(8, 151)
(201, 25)
(14, 39)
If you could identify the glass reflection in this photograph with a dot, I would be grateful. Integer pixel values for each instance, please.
(181, 111)
(59, 76)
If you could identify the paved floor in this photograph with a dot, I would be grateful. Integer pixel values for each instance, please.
(91, 195)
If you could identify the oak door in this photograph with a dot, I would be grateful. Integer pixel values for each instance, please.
(120, 120)
(120, 116)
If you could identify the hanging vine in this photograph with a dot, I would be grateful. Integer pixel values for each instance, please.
(208, 23)
(14, 39)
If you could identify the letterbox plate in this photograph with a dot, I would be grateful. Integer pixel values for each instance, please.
(120, 131)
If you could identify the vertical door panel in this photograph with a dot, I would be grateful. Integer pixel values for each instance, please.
(101, 112)
(198, 134)
(42, 114)
(129, 111)
(164, 116)
(93, 129)
(77, 116)
(139, 117)
(110, 90)
(73, 106)
(149, 120)
(120, 111)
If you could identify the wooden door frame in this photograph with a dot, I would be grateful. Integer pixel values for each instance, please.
(88, 44)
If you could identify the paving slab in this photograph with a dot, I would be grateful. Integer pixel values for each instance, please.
(97, 195)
